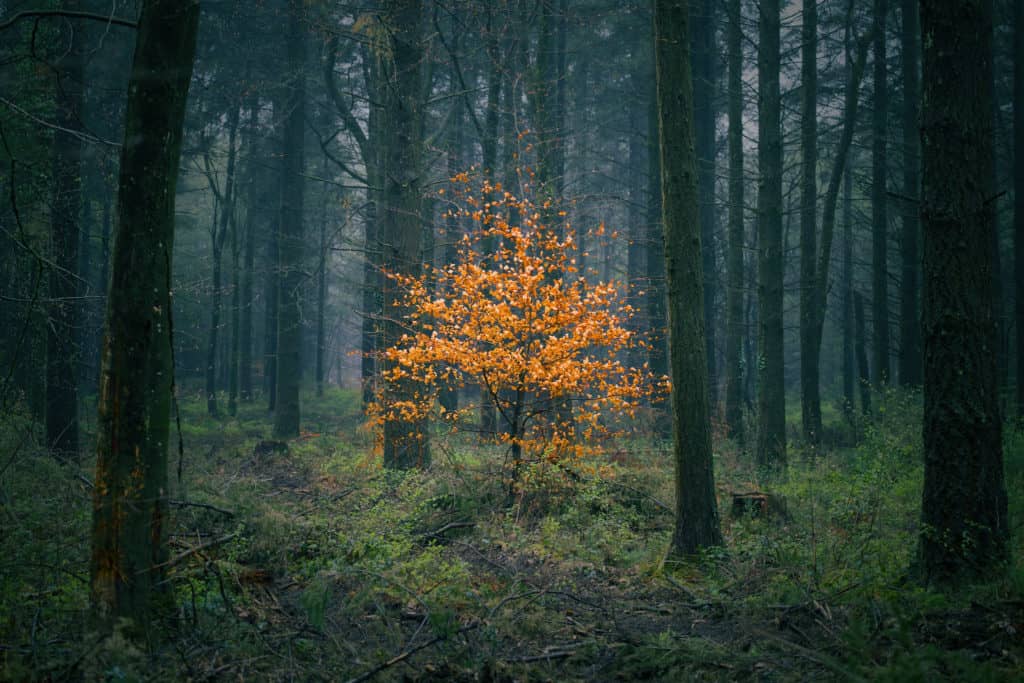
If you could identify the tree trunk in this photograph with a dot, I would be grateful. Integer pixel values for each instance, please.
(130, 494)
(863, 372)
(255, 188)
(810, 348)
(705, 54)
(879, 201)
(321, 299)
(656, 313)
(696, 510)
(289, 315)
(405, 442)
(236, 283)
(771, 389)
(964, 525)
(910, 323)
(61, 414)
(734, 259)
(849, 359)
(1018, 190)
(218, 235)
(635, 269)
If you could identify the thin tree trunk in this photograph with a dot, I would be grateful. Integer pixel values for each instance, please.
(1018, 190)
(810, 348)
(218, 235)
(130, 493)
(879, 201)
(656, 295)
(705, 53)
(321, 298)
(290, 249)
(245, 351)
(61, 414)
(734, 259)
(863, 372)
(965, 529)
(910, 323)
(849, 358)
(236, 277)
(771, 408)
(696, 524)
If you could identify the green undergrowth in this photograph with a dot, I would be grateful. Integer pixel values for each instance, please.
(316, 564)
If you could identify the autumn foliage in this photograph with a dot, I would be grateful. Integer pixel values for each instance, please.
(514, 316)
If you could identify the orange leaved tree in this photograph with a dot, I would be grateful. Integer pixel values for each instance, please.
(514, 316)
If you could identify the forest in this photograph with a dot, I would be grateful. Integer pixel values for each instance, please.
(511, 340)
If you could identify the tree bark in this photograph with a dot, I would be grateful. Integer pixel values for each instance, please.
(964, 525)
(734, 259)
(290, 247)
(405, 442)
(810, 347)
(245, 333)
(130, 494)
(910, 323)
(218, 235)
(62, 350)
(771, 390)
(863, 372)
(705, 54)
(1018, 191)
(697, 524)
(656, 303)
(879, 201)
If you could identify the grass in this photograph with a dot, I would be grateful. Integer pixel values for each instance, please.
(335, 567)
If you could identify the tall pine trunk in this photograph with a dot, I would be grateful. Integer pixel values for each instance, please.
(130, 493)
(910, 323)
(290, 246)
(879, 201)
(771, 390)
(696, 524)
(734, 328)
(62, 349)
(405, 442)
(810, 348)
(964, 525)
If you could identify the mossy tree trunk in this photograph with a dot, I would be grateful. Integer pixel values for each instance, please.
(880, 200)
(130, 494)
(697, 524)
(964, 525)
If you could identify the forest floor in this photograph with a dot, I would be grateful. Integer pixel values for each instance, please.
(312, 563)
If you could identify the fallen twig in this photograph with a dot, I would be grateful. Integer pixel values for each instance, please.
(191, 551)
(205, 506)
(408, 653)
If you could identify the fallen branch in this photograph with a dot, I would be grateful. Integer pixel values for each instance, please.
(408, 653)
(191, 551)
(205, 506)
(556, 654)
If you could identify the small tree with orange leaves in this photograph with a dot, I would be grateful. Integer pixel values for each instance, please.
(514, 316)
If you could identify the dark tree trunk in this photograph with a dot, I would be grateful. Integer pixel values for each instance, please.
(405, 443)
(1018, 190)
(863, 371)
(810, 348)
(321, 299)
(879, 201)
(696, 510)
(705, 54)
(635, 267)
(236, 283)
(771, 389)
(734, 259)
(62, 349)
(910, 323)
(656, 304)
(130, 494)
(290, 247)
(849, 359)
(964, 525)
(245, 350)
(218, 235)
